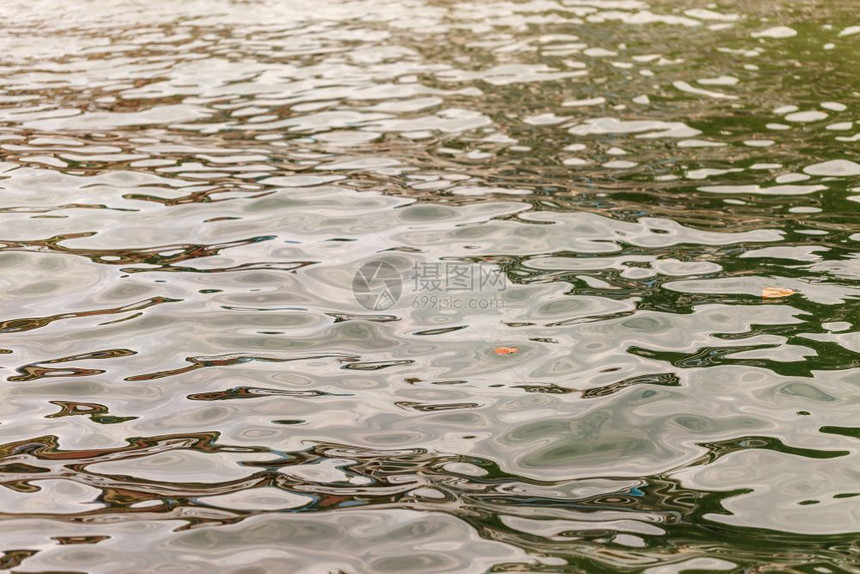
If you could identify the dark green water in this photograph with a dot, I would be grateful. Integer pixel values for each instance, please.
(565, 363)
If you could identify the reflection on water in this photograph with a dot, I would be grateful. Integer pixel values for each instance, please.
(190, 385)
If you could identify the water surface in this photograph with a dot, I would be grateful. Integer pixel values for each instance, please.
(189, 384)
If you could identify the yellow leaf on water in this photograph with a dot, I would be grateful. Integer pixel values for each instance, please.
(506, 350)
(775, 292)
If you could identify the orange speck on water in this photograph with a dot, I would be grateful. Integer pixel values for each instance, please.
(506, 350)
(775, 292)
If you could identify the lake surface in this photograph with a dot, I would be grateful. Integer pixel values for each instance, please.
(429, 286)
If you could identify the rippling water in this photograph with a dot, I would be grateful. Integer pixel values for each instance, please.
(190, 383)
